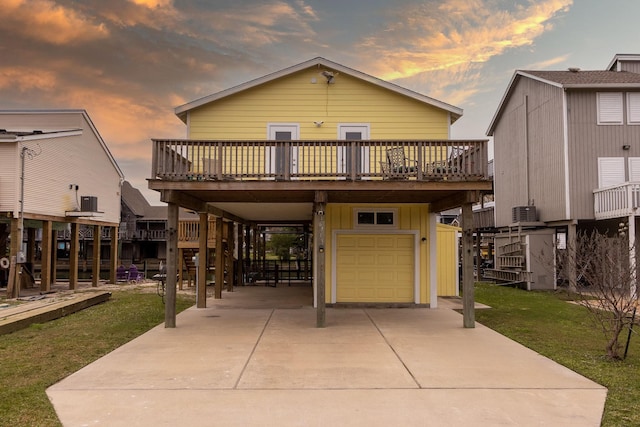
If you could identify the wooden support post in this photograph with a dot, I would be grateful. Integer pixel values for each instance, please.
(478, 254)
(54, 256)
(201, 285)
(230, 251)
(572, 241)
(113, 256)
(468, 299)
(45, 257)
(13, 287)
(95, 267)
(74, 255)
(172, 255)
(181, 268)
(219, 265)
(240, 272)
(319, 218)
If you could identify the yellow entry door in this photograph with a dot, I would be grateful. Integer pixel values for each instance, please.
(375, 268)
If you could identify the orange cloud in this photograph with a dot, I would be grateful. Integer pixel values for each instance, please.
(427, 38)
(46, 21)
(152, 4)
(25, 78)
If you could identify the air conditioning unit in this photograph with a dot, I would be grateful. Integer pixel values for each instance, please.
(524, 214)
(89, 204)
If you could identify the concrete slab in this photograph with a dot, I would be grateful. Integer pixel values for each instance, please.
(237, 366)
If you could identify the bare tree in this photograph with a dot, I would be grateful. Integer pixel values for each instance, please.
(605, 278)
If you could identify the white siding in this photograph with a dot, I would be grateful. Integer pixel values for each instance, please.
(65, 162)
(9, 167)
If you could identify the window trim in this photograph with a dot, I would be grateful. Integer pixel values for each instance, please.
(618, 108)
(375, 225)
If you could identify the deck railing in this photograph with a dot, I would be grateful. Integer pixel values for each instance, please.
(617, 201)
(319, 160)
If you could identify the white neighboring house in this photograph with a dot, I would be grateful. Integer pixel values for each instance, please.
(56, 173)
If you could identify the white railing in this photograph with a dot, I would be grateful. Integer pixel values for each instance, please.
(617, 200)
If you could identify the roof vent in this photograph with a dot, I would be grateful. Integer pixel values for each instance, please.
(574, 69)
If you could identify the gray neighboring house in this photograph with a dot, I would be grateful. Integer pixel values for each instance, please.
(567, 158)
(143, 228)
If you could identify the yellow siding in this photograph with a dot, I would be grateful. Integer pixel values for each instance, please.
(339, 216)
(447, 260)
(294, 99)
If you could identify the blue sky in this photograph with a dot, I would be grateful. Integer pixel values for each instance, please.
(130, 62)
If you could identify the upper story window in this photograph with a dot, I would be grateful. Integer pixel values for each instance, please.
(385, 218)
(610, 109)
(633, 108)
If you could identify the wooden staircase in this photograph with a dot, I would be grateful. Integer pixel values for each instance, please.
(189, 265)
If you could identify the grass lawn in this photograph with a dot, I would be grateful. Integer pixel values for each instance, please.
(546, 323)
(39, 356)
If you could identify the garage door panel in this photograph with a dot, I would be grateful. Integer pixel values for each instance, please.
(375, 268)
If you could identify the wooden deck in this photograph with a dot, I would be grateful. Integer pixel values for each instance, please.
(14, 318)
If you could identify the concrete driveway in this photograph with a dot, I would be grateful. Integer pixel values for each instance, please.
(255, 358)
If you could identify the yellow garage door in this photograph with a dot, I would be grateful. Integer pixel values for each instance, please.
(375, 268)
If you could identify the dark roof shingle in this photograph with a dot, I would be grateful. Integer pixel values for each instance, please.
(587, 78)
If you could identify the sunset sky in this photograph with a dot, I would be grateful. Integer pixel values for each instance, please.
(130, 62)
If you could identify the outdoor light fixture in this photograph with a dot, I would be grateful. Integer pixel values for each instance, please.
(626, 147)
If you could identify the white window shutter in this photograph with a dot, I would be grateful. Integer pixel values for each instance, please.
(610, 171)
(610, 107)
(634, 169)
(633, 107)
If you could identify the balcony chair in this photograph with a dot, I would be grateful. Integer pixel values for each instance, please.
(134, 274)
(398, 165)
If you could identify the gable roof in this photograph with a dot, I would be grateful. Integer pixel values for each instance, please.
(569, 80)
(142, 209)
(182, 110)
(27, 135)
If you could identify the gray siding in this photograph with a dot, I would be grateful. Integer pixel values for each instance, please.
(587, 142)
(631, 66)
(529, 158)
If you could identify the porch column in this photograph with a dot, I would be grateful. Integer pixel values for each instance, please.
(572, 241)
(201, 283)
(633, 254)
(219, 265)
(54, 256)
(172, 255)
(45, 257)
(433, 260)
(113, 256)
(319, 218)
(468, 299)
(240, 272)
(73, 255)
(13, 287)
(95, 267)
(229, 256)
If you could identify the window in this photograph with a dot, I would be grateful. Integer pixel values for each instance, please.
(633, 108)
(610, 108)
(386, 218)
(610, 171)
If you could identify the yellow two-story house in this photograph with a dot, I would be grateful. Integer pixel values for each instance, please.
(368, 163)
